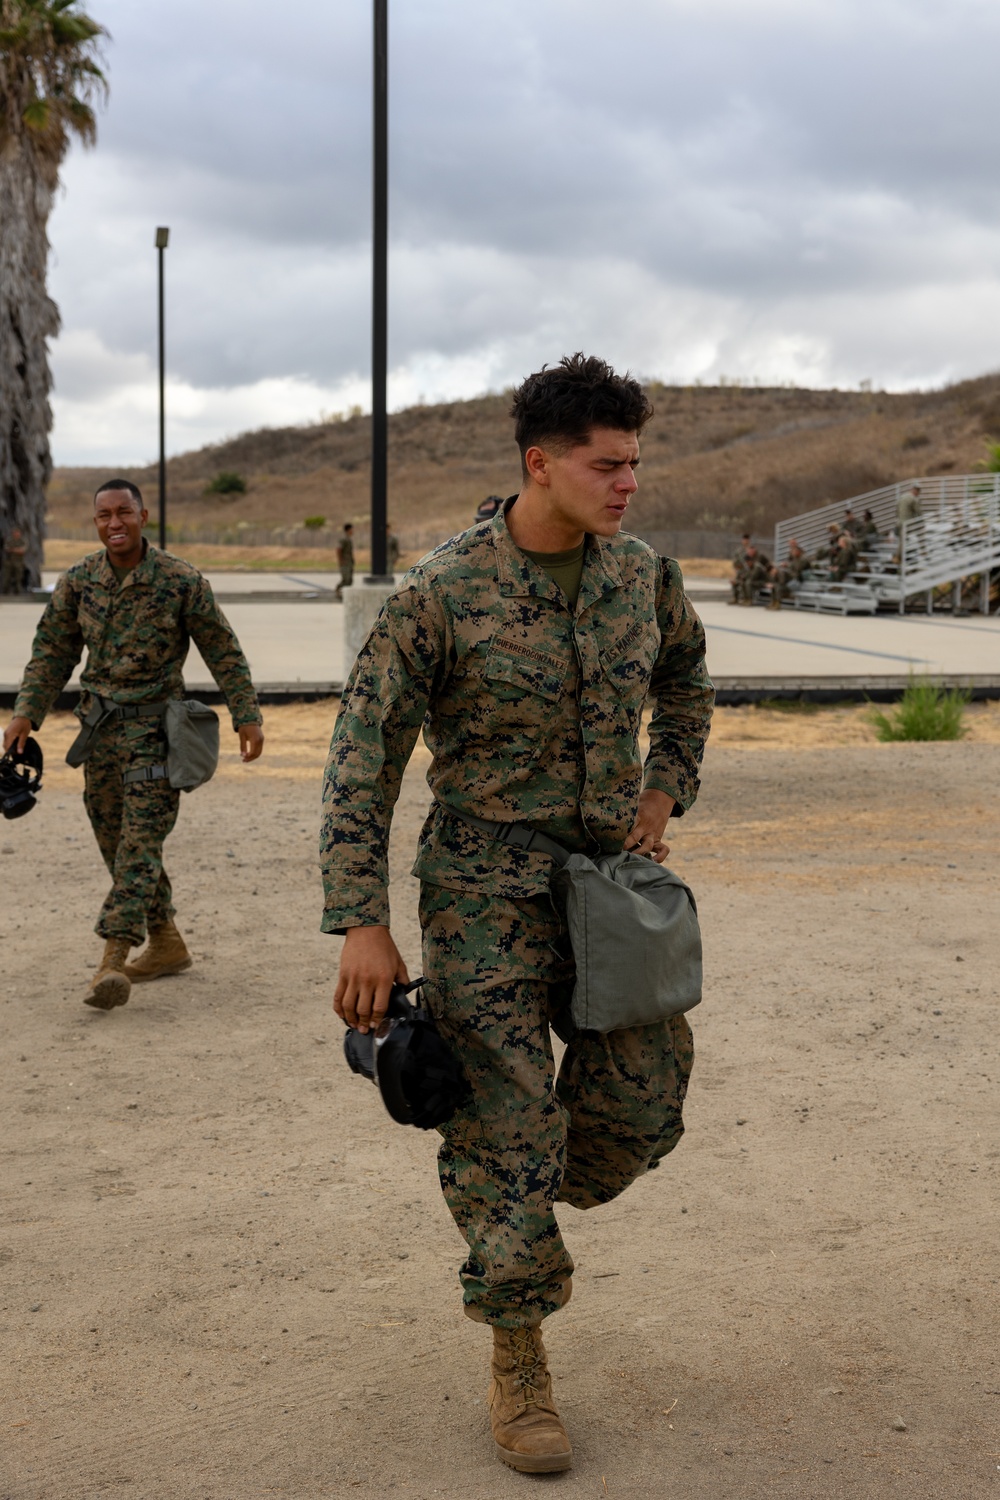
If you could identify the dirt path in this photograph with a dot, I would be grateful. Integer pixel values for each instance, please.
(227, 1274)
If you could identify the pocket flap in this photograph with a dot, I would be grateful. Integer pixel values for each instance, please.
(525, 667)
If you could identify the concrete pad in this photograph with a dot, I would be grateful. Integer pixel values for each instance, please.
(298, 646)
(792, 643)
(287, 645)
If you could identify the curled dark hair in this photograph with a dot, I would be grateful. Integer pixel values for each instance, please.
(120, 484)
(560, 406)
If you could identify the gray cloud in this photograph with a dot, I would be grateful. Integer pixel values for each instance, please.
(735, 186)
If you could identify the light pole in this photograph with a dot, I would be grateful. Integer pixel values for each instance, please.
(380, 266)
(162, 241)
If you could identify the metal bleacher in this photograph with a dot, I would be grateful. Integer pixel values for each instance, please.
(948, 555)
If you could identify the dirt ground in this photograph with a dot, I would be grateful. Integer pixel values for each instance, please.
(228, 1274)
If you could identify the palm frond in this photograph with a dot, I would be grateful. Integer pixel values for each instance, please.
(38, 115)
(50, 72)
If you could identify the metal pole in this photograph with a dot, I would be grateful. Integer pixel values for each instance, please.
(380, 286)
(162, 240)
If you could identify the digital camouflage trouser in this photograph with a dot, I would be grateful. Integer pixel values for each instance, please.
(528, 1139)
(131, 823)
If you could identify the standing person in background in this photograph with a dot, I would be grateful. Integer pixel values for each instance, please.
(526, 649)
(740, 568)
(136, 610)
(908, 509)
(345, 558)
(391, 549)
(12, 568)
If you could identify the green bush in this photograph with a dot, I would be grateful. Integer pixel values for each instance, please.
(314, 522)
(993, 458)
(226, 483)
(926, 711)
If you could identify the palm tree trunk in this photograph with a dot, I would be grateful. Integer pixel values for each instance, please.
(28, 319)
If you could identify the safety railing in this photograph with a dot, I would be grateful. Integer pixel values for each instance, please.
(954, 537)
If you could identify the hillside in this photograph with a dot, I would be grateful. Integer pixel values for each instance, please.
(713, 458)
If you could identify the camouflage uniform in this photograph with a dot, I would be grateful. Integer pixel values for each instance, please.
(740, 569)
(137, 636)
(345, 558)
(789, 572)
(843, 560)
(12, 569)
(531, 711)
(755, 575)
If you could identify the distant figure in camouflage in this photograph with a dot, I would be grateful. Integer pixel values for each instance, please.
(909, 508)
(844, 559)
(868, 534)
(391, 549)
(345, 558)
(740, 568)
(825, 555)
(135, 609)
(755, 575)
(526, 648)
(12, 568)
(788, 575)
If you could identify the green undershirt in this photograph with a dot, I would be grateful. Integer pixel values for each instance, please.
(564, 568)
(120, 573)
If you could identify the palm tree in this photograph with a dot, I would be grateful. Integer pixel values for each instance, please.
(48, 78)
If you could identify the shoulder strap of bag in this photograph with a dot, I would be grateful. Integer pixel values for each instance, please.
(515, 835)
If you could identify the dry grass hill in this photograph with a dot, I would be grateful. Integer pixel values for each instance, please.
(714, 459)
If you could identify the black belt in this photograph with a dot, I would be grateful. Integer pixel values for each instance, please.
(136, 710)
(515, 835)
(98, 714)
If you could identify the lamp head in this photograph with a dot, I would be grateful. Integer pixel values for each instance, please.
(162, 238)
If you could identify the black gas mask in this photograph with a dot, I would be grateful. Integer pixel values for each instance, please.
(419, 1077)
(20, 779)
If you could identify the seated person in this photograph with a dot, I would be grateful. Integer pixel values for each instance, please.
(824, 555)
(788, 575)
(755, 575)
(845, 559)
(869, 533)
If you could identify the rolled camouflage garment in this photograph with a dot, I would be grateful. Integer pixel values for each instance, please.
(137, 636)
(531, 711)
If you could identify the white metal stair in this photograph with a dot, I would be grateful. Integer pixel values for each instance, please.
(954, 542)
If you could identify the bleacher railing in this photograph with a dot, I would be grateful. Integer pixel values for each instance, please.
(955, 536)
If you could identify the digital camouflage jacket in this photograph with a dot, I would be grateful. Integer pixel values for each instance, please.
(137, 636)
(531, 712)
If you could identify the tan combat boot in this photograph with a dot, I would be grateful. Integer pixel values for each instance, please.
(110, 986)
(527, 1431)
(165, 953)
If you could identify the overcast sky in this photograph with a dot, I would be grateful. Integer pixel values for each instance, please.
(801, 190)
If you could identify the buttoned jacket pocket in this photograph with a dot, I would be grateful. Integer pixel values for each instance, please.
(525, 667)
(521, 688)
